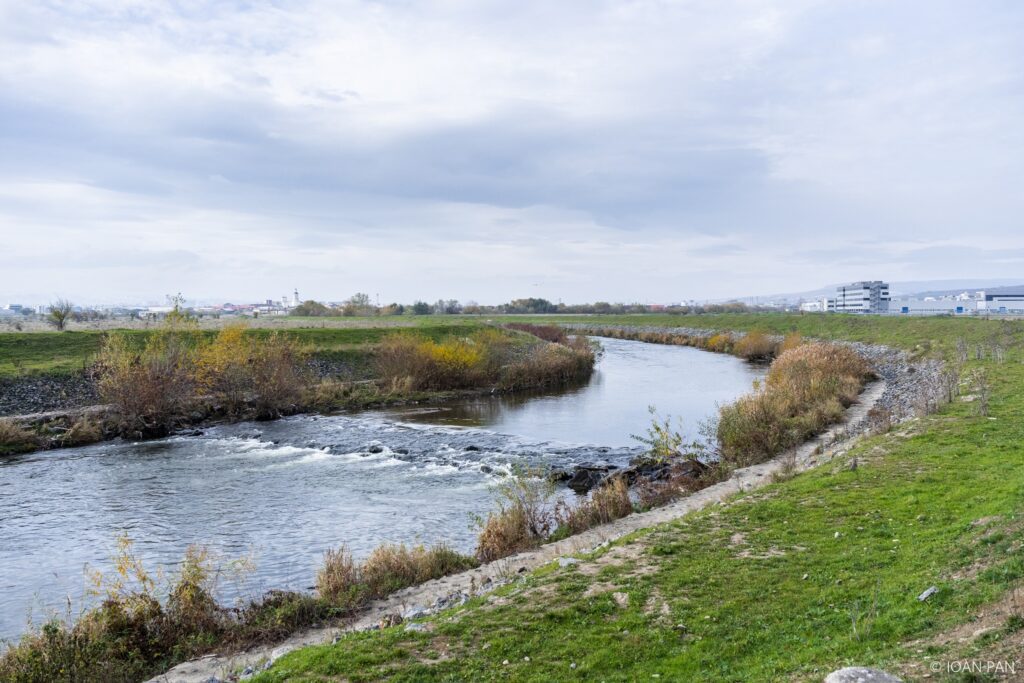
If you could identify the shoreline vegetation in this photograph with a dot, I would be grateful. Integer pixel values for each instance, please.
(132, 633)
(178, 377)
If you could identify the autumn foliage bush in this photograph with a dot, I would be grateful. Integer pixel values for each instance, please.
(151, 387)
(484, 357)
(154, 384)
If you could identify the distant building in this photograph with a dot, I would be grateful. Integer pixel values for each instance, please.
(822, 305)
(863, 297)
(1003, 302)
(932, 306)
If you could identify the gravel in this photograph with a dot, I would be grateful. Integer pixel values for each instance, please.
(44, 393)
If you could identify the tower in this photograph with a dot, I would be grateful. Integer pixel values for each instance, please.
(295, 297)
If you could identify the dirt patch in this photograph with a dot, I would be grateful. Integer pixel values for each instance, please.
(995, 633)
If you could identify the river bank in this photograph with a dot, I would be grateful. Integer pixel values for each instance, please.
(407, 608)
(243, 374)
(862, 417)
(807, 575)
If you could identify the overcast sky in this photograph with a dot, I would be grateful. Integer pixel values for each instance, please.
(649, 151)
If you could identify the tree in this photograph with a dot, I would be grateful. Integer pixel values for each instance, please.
(311, 308)
(421, 308)
(59, 312)
(358, 304)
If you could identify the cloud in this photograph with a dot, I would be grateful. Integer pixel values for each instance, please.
(621, 150)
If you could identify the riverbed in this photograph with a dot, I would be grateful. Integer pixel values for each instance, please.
(280, 493)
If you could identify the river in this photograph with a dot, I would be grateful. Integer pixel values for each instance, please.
(280, 493)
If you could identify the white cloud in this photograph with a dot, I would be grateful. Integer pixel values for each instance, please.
(618, 150)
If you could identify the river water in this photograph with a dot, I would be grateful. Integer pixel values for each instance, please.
(280, 493)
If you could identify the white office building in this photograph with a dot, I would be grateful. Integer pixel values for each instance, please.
(863, 297)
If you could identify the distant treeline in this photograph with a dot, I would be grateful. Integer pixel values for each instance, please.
(360, 305)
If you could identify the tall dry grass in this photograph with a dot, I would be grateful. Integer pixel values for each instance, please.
(523, 519)
(133, 634)
(807, 388)
(16, 439)
(605, 504)
(755, 346)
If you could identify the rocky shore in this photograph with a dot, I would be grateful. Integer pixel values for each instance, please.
(47, 393)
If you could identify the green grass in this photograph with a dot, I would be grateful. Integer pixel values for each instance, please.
(744, 611)
(67, 352)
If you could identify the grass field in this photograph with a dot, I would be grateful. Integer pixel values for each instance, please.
(785, 583)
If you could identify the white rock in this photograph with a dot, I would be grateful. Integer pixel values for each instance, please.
(859, 674)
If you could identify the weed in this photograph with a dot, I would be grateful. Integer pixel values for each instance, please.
(16, 439)
(522, 521)
(605, 504)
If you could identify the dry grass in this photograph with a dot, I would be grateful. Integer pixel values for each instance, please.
(605, 504)
(755, 346)
(132, 635)
(16, 439)
(522, 521)
(807, 388)
(337, 580)
(84, 430)
(392, 567)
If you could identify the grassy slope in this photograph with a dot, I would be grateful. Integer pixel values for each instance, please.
(734, 576)
(64, 352)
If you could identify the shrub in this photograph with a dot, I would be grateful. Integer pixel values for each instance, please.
(806, 389)
(279, 375)
(791, 341)
(719, 343)
(223, 368)
(485, 357)
(453, 363)
(522, 521)
(16, 439)
(151, 388)
(755, 346)
(605, 504)
(549, 365)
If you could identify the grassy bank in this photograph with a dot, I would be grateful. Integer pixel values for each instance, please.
(786, 583)
(72, 351)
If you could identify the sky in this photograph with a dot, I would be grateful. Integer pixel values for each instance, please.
(647, 150)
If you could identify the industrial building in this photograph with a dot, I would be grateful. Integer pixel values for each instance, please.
(863, 297)
(1002, 302)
